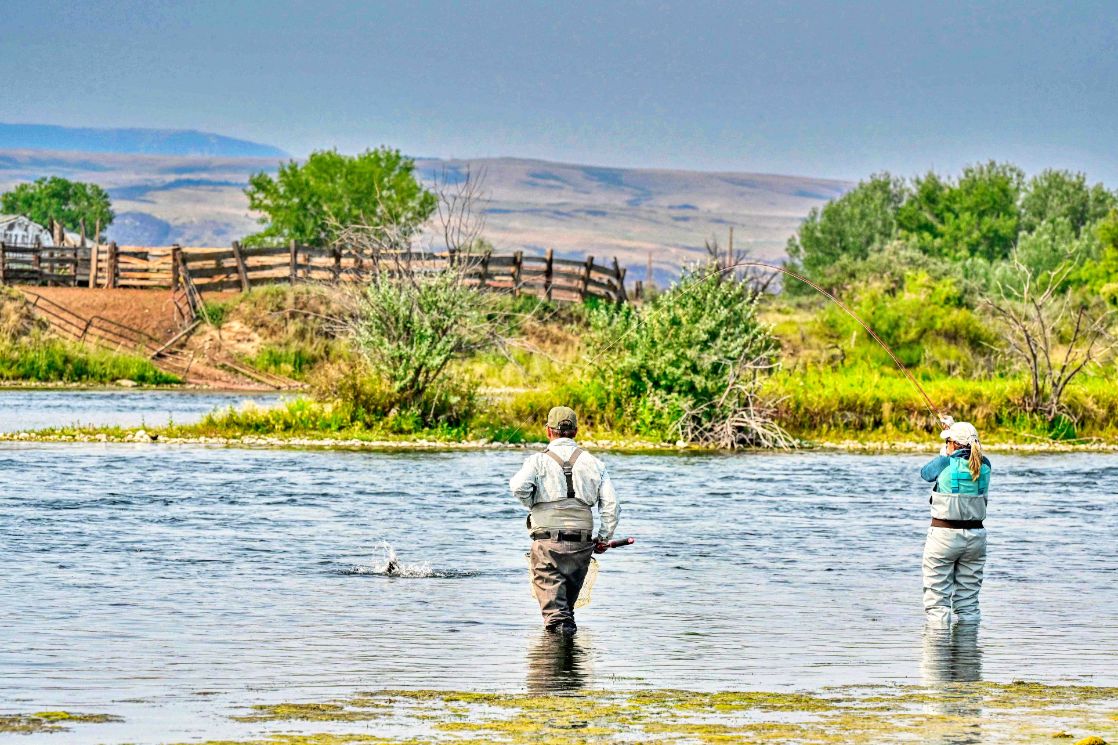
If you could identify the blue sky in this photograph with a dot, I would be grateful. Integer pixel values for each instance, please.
(837, 89)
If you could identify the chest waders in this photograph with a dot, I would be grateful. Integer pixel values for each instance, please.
(567, 514)
(560, 516)
(955, 550)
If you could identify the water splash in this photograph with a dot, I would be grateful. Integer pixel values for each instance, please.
(393, 567)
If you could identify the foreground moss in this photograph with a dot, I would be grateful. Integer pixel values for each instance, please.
(49, 721)
(858, 715)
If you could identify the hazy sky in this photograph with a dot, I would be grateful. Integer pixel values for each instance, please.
(815, 88)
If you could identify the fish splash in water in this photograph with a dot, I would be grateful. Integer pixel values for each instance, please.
(393, 567)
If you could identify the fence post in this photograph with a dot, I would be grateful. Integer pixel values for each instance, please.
(620, 272)
(242, 270)
(337, 262)
(517, 263)
(586, 277)
(3, 266)
(294, 261)
(638, 290)
(548, 273)
(36, 260)
(114, 260)
(93, 258)
(176, 254)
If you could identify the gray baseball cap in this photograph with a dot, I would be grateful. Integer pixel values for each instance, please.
(562, 417)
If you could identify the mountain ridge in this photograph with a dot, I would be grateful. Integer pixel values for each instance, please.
(130, 141)
(636, 214)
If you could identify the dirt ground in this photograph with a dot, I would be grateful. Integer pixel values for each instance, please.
(150, 311)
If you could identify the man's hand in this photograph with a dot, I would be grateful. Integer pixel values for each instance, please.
(946, 420)
(601, 547)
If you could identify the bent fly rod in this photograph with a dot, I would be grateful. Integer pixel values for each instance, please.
(846, 308)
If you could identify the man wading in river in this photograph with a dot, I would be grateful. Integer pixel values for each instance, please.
(560, 486)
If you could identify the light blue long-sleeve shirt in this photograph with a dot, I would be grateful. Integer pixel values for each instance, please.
(933, 468)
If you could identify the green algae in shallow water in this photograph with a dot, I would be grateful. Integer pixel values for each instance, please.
(330, 712)
(859, 715)
(49, 721)
(1092, 740)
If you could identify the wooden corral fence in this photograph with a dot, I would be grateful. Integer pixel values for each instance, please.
(42, 265)
(240, 268)
(192, 271)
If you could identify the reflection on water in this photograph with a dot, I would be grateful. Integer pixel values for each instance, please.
(559, 663)
(953, 656)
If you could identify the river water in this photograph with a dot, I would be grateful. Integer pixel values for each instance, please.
(173, 584)
(43, 409)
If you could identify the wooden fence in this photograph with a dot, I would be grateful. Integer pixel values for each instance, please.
(42, 265)
(241, 268)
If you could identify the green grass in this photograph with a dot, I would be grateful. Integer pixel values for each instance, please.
(44, 359)
(841, 403)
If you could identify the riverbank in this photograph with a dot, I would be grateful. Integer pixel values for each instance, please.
(1018, 712)
(379, 442)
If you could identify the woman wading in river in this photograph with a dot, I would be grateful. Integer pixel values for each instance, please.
(955, 551)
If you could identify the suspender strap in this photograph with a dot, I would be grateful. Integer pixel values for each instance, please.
(568, 467)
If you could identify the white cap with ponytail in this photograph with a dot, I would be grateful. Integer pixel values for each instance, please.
(961, 433)
(965, 435)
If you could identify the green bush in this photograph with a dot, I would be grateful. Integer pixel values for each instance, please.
(925, 321)
(688, 360)
(409, 332)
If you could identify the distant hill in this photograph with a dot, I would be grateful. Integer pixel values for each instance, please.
(532, 205)
(183, 142)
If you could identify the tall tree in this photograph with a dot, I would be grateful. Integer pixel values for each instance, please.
(1053, 194)
(314, 201)
(848, 229)
(975, 217)
(74, 205)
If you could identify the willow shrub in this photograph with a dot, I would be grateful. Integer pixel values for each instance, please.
(926, 321)
(692, 353)
(409, 331)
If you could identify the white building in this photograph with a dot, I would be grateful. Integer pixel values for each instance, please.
(18, 230)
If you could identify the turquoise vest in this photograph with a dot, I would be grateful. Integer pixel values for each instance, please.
(956, 479)
(957, 496)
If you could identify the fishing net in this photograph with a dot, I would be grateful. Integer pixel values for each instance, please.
(587, 584)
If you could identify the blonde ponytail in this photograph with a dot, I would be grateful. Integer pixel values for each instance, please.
(975, 461)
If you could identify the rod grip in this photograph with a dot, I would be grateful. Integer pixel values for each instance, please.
(621, 542)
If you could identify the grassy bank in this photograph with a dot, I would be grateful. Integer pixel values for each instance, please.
(827, 405)
(30, 354)
(831, 386)
(43, 359)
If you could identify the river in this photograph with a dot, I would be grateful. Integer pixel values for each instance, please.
(173, 584)
(28, 409)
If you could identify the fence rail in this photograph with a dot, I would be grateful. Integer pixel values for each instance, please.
(214, 269)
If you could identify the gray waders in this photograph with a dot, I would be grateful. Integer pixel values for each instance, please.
(560, 555)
